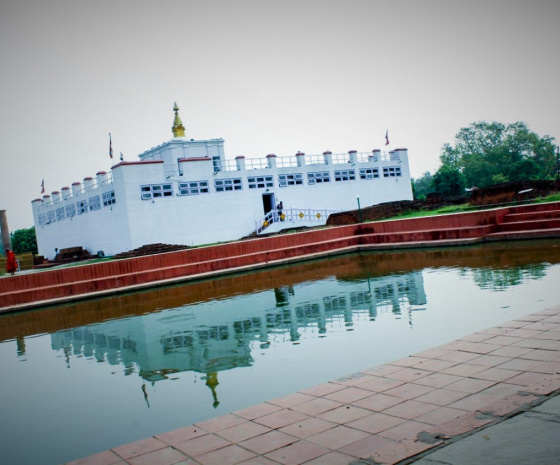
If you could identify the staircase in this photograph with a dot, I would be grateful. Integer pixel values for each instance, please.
(292, 218)
(535, 220)
(523, 222)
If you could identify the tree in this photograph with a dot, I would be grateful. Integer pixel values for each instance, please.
(487, 152)
(24, 241)
(448, 181)
(422, 186)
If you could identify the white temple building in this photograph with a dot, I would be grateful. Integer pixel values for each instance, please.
(186, 192)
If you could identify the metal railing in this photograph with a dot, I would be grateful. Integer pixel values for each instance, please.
(286, 162)
(255, 164)
(293, 216)
(173, 169)
(228, 165)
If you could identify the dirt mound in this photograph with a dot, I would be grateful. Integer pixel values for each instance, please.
(513, 192)
(151, 249)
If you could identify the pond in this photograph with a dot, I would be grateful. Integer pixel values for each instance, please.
(82, 378)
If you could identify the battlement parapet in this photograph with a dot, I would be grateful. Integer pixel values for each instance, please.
(102, 181)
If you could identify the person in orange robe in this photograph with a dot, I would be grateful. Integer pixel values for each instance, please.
(11, 264)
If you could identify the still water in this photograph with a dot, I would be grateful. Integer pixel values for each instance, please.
(79, 379)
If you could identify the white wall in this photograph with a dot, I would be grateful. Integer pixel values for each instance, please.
(205, 218)
(104, 229)
(181, 147)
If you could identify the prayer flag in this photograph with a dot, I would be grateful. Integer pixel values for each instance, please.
(110, 147)
(387, 137)
(43, 186)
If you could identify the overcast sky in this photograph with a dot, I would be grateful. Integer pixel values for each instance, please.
(266, 76)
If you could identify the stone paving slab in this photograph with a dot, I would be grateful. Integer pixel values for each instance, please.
(488, 386)
(530, 437)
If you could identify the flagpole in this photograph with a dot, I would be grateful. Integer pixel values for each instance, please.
(110, 151)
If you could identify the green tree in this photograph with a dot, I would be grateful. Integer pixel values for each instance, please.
(488, 152)
(24, 241)
(422, 186)
(448, 181)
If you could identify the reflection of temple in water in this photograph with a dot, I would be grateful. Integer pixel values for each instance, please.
(217, 335)
(213, 324)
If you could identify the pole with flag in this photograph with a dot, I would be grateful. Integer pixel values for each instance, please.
(110, 147)
(387, 137)
(43, 186)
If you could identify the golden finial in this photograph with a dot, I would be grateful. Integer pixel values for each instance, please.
(212, 382)
(178, 128)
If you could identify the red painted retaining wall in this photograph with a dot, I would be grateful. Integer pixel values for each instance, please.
(21, 290)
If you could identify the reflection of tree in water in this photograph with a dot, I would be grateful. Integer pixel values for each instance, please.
(501, 279)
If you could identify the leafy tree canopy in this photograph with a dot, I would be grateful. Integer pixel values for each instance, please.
(24, 241)
(448, 181)
(487, 153)
(422, 185)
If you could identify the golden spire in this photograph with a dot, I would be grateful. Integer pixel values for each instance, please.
(212, 382)
(178, 128)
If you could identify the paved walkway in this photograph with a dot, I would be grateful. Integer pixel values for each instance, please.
(528, 438)
(470, 401)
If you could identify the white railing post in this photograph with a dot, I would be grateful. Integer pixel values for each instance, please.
(240, 162)
(271, 161)
(300, 158)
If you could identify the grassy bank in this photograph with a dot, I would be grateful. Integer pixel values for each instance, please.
(466, 207)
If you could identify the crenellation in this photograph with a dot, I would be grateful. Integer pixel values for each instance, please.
(240, 162)
(300, 159)
(56, 197)
(89, 184)
(76, 189)
(271, 161)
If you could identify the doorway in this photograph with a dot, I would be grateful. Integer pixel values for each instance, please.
(269, 204)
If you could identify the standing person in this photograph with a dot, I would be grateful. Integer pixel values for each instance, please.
(11, 264)
(280, 207)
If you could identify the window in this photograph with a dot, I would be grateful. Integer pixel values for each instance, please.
(391, 172)
(146, 192)
(260, 182)
(156, 190)
(70, 210)
(60, 214)
(222, 185)
(321, 176)
(369, 173)
(51, 217)
(165, 190)
(82, 207)
(193, 188)
(108, 198)
(290, 179)
(216, 164)
(344, 175)
(94, 203)
(42, 219)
